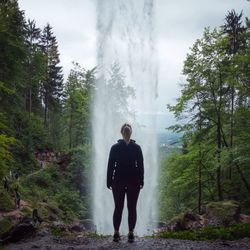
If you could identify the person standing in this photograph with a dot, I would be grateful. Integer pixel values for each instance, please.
(125, 176)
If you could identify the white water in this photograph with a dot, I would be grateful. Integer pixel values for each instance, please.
(125, 36)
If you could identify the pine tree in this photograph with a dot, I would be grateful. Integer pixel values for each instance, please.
(34, 68)
(53, 84)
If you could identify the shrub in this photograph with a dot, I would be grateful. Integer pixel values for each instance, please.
(6, 203)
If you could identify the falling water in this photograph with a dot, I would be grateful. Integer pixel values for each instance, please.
(125, 41)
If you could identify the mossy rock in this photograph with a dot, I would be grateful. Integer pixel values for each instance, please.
(222, 213)
(185, 221)
(245, 206)
(6, 202)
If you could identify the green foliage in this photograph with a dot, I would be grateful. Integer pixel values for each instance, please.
(78, 98)
(41, 178)
(6, 158)
(38, 114)
(71, 204)
(6, 201)
(58, 232)
(233, 232)
(214, 105)
(5, 225)
(49, 190)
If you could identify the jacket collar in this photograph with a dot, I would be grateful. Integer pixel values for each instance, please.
(122, 141)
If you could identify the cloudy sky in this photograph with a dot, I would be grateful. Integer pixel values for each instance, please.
(178, 24)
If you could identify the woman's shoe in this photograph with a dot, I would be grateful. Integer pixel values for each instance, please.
(116, 237)
(131, 237)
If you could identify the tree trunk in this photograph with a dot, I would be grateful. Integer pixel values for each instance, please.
(30, 101)
(218, 170)
(45, 108)
(243, 177)
(231, 133)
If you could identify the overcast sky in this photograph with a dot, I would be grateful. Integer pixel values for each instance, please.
(178, 24)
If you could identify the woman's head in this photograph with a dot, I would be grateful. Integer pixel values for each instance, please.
(126, 131)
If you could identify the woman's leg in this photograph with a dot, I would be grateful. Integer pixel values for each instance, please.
(133, 190)
(118, 194)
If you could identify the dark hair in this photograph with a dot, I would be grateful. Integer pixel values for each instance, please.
(124, 126)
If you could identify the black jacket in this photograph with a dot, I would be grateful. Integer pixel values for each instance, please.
(125, 163)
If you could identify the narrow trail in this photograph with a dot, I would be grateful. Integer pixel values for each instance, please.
(141, 243)
(15, 212)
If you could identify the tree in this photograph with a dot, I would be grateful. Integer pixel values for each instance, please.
(234, 31)
(78, 98)
(52, 88)
(214, 104)
(34, 68)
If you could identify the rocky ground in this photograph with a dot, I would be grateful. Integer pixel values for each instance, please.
(28, 234)
(48, 242)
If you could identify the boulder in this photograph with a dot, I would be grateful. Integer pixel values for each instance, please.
(222, 213)
(185, 221)
(77, 227)
(22, 230)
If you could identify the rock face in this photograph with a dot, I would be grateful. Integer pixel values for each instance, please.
(221, 213)
(23, 229)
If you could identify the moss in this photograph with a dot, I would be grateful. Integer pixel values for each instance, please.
(26, 211)
(48, 191)
(235, 232)
(6, 203)
(228, 204)
(56, 231)
(225, 211)
(5, 225)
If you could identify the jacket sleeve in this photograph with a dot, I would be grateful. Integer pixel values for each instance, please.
(140, 165)
(110, 170)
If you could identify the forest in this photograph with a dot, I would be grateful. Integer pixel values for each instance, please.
(45, 119)
(45, 123)
(213, 116)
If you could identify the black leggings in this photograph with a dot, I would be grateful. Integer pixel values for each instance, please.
(119, 190)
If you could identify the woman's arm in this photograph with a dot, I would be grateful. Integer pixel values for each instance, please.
(140, 165)
(111, 164)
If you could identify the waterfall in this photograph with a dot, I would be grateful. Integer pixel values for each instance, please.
(126, 91)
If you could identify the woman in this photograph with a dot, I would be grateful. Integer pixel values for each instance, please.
(125, 175)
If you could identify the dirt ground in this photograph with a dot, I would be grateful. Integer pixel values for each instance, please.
(49, 242)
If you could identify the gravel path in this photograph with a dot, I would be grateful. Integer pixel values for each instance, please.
(49, 242)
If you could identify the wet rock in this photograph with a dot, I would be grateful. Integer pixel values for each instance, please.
(88, 224)
(77, 227)
(43, 232)
(59, 225)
